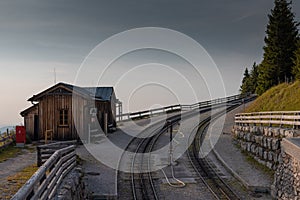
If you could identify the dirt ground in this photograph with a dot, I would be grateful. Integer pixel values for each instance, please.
(10, 176)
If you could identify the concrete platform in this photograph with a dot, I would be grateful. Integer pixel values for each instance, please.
(252, 177)
(100, 179)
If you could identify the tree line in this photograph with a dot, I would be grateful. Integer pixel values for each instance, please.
(281, 58)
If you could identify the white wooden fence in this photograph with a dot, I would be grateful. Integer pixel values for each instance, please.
(277, 118)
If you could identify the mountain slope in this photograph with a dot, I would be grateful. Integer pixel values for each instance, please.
(283, 97)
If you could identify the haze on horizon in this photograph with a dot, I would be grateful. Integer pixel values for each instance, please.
(38, 36)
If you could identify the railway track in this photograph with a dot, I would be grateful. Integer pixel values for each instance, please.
(140, 178)
(206, 172)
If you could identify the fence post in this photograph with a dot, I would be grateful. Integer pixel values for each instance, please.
(294, 125)
(39, 156)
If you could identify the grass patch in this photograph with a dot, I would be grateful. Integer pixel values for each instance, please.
(9, 152)
(15, 182)
(283, 97)
(12, 151)
(253, 162)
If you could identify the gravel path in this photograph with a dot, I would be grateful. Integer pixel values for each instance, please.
(14, 165)
(11, 166)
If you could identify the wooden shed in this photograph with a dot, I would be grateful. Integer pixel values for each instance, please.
(68, 111)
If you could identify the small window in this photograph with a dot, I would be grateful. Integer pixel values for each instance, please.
(63, 117)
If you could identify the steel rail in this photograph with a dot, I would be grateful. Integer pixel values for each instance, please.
(216, 184)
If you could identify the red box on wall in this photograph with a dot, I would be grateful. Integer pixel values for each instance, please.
(20, 135)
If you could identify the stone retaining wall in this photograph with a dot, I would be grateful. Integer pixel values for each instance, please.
(263, 143)
(72, 188)
(287, 177)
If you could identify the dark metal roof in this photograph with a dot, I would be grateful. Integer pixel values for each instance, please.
(100, 93)
(103, 93)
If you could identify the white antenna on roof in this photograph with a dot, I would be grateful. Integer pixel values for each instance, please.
(54, 76)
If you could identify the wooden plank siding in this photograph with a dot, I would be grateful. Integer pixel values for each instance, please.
(59, 99)
(29, 120)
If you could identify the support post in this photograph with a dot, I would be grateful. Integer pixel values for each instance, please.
(171, 138)
(105, 123)
(89, 134)
(39, 156)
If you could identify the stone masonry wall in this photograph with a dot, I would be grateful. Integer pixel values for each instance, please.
(263, 143)
(72, 187)
(287, 178)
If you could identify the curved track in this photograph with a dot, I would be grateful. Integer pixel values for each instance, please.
(141, 183)
(219, 188)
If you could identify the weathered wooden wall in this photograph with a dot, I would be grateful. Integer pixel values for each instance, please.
(29, 121)
(50, 106)
(77, 104)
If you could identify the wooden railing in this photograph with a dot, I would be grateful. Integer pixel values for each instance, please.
(44, 152)
(48, 135)
(6, 138)
(45, 181)
(178, 107)
(281, 118)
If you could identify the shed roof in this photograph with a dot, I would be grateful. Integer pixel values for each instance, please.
(99, 93)
(103, 93)
(24, 112)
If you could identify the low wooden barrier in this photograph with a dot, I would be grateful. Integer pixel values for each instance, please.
(44, 152)
(45, 181)
(278, 118)
(179, 107)
(6, 139)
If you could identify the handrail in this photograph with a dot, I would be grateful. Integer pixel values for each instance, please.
(287, 118)
(178, 107)
(44, 152)
(45, 181)
(6, 139)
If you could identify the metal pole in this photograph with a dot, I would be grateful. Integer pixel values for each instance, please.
(89, 134)
(171, 138)
(105, 123)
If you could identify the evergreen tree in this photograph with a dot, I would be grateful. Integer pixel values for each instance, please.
(245, 82)
(249, 82)
(280, 45)
(253, 78)
(296, 68)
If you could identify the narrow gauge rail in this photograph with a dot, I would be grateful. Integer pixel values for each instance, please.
(142, 184)
(216, 184)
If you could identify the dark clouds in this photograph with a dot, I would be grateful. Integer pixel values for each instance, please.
(37, 35)
(48, 28)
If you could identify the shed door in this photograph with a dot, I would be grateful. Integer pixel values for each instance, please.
(36, 127)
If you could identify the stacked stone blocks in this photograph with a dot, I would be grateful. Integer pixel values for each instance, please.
(262, 143)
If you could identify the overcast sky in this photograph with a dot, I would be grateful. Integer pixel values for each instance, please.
(37, 36)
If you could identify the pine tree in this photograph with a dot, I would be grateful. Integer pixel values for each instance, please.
(249, 82)
(296, 68)
(253, 78)
(245, 82)
(280, 45)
